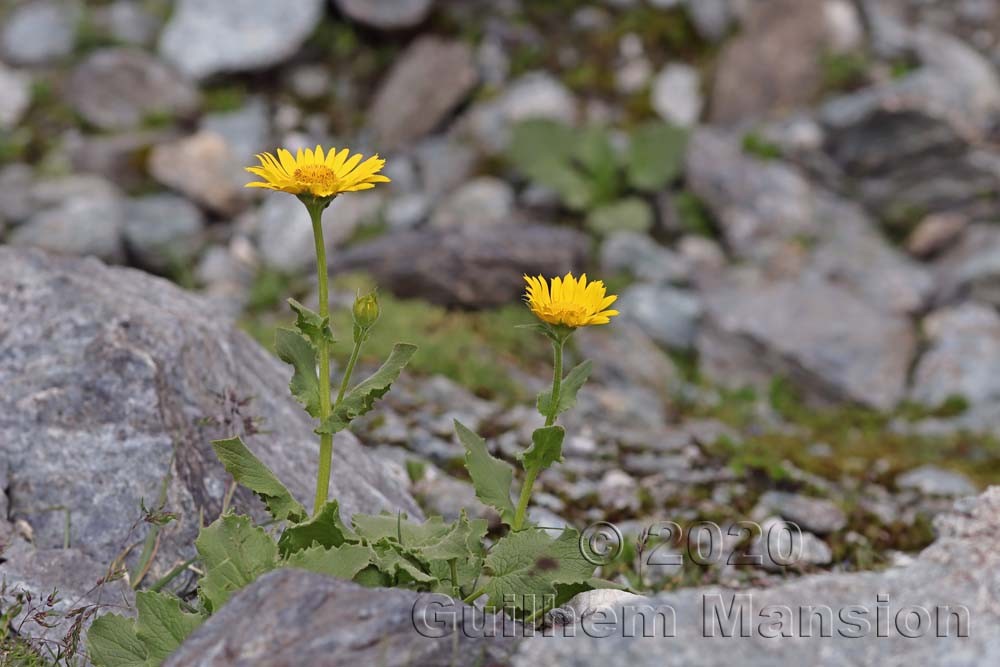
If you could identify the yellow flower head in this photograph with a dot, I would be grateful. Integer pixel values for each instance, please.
(569, 301)
(309, 172)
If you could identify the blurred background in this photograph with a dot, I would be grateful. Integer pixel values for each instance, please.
(796, 200)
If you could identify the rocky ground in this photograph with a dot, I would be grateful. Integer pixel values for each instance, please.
(809, 331)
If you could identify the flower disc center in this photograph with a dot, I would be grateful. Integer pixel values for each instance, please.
(315, 176)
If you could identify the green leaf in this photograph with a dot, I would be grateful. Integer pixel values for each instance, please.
(568, 390)
(491, 477)
(546, 448)
(399, 564)
(249, 471)
(462, 541)
(629, 214)
(545, 150)
(325, 529)
(112, 642)
(312, 325)
(362, 398)
(656, 156)
(234, 553)
(396, 527)
(162, 624)
(525, 567)
(296, 351)
(595, 152)
(343, 562)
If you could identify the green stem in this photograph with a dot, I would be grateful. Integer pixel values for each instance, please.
(453, 566)
(475, 595)
(325, 441)
(550, 419)
(349, 371)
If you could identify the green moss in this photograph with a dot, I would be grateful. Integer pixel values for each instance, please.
(228, 97)
(475, 349)
(844, 71)
(757, 146)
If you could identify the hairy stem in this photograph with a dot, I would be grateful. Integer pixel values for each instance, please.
(550, 419)
(325, 441)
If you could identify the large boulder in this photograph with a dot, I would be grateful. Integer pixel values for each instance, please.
(115, 383)
(290, 617)
(827, 341)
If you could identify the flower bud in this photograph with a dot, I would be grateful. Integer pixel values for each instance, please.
(366, 311)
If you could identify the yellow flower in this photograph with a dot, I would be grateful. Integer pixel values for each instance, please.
(569, 302)
(309, 172)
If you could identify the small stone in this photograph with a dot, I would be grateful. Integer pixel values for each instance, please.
(962, 357)
(617, 490)
(784, 546)
(484, 201)
(933, 481)
(638, 255)
(15, 96)
(38, 32)
(532, 95)
(713, 19)
(284, 233)
(247, 131)
(935, 233)
(676, 95)
(386, 14)
(633, 75)
(86, 222)
(428, 81)
(444, 164)
(202, 167)
(407, 211)
(703, 255)
(127, 22)
(163, 231)
(668, 315)
(813, 514)
(118, 89)
(311, 82)
(205, 37)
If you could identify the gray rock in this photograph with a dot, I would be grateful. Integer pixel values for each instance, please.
(780, 47)
(284, 235)
(532, 95)
(35, 33)
(115, 156)
(444, 164)
(479, 266)
(247, 130)
(935, 233)
(668, 315)
(829, 343)
(971, 269)
(483, 201)
(817, 515)
(16, 202)
(126, 22)
(954, 571)
(962, 358)
(163, 231)
(428, 81)
(713, 19)
(676, 95)
(119, 89)
(202, 167)
(290, 617)
(618, 491)
(933, 481)
(934, 118)
(407, 211)
(77, 216)
(205, 37)
(386, 14)
(851, 252)
(783, 546)
(640, 256)
(139, 376)
(15, 96)
(757, 203)
(624, 355)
